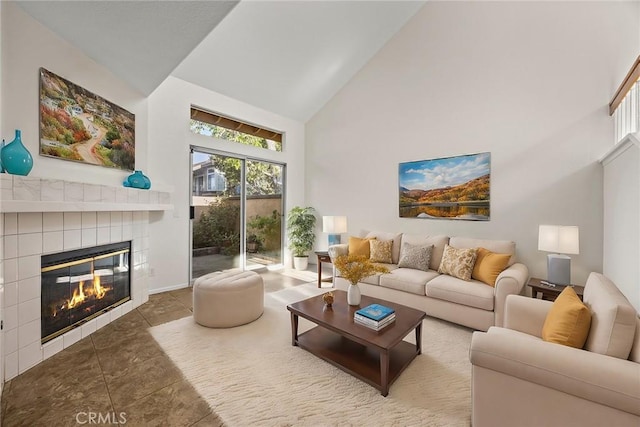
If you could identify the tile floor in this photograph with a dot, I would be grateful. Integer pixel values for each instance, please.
(119, 372)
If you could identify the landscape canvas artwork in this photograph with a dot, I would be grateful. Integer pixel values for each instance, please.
(78, 125)
(447, 188)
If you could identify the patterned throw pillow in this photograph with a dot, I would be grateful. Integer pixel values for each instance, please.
(458, 262)
(381, 251)
(415, 256)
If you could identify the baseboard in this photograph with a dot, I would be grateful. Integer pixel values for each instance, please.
(168, 288)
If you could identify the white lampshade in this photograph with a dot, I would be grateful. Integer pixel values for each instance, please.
(334, 224)
(559, 239)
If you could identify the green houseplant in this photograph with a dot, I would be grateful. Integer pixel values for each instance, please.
(301, 223)
(253, 243)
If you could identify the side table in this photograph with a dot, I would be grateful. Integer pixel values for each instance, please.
(323, 256)
(550, 293)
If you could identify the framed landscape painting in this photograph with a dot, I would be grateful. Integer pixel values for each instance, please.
(447, 188)
(81, 126)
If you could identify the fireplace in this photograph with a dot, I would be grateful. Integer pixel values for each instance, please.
(82, 284)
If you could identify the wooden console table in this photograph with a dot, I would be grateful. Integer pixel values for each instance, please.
(323, 256)
(550, 293)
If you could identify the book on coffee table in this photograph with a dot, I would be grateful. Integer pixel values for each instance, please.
(372, 324)
(375, 312)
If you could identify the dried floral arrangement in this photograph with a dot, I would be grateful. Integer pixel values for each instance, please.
(354, 268)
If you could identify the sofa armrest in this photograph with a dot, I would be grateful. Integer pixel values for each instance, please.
(510, 282)
(526, 314)
(599, 378)
(336, 250)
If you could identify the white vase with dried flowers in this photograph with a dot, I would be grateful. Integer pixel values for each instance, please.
(354, 268)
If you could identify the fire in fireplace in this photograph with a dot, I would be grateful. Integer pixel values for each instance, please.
(82, 284)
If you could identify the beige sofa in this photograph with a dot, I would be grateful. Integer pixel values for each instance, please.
(469, 303)
(519, 379)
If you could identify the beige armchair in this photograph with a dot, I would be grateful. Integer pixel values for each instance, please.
(519, 379)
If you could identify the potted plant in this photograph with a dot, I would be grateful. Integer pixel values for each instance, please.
(253, 243)
(301, 223)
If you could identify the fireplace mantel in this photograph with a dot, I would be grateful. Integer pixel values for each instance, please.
(32, 194)
(40, 216)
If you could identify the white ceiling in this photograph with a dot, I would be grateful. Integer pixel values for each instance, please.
(288, 57)
(139, 41)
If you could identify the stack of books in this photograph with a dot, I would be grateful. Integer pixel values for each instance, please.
(375, 316)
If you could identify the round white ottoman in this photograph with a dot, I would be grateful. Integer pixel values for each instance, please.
(228, 298)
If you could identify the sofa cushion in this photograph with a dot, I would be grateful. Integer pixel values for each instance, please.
(381, 251)
(396, 237)
(568, 320)
(613, 318)
(489, 265)
(375, 279)
(458, 262)
(358, 246)
(498, 246)
(634, 356)
(472, 293)
(415, 256)
(438, 243)
(407, 280)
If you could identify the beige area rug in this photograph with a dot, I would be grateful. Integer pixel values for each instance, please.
(252, 376)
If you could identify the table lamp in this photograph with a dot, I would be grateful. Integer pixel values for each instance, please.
(560, 240)
(334, 225)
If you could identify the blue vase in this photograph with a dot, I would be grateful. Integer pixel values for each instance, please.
(15, 157)
(147, 182)
(137, 180)
(1, 147)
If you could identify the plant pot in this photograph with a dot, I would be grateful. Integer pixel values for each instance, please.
(252, 247)
(300, 262)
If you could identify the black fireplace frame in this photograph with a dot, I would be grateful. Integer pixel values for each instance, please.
(68, 258)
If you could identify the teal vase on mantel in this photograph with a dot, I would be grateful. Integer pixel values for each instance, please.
(15, 157)
(137, 180)
(1, 147)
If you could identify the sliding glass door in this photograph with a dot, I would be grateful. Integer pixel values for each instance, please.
(236, 210)
(264, 207)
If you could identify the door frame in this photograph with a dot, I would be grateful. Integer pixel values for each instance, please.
(243, 201)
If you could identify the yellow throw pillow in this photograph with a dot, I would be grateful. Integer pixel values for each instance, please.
(358, 246)
(381, 251)
(568, 320)
(489, 265)
(458, 262)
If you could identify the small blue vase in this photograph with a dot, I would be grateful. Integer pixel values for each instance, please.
(15, 157)
(1, 147)
(137, 180)
(147, 182)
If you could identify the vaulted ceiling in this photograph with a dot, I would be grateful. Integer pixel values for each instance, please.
(288, 57)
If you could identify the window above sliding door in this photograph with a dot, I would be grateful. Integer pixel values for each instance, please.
(218, 126)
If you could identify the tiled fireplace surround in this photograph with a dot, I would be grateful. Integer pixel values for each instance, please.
(41, 216)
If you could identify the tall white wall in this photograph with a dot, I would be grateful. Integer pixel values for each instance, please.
(527, 81)
(26, 46)
(622, 217)
(169, 166)
(2, 333)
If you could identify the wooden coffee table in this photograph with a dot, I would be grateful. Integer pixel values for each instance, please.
(375, 357)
